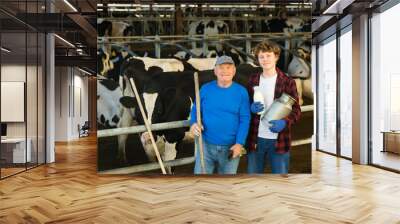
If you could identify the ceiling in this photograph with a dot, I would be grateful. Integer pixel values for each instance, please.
(337, 14)
(72, 20)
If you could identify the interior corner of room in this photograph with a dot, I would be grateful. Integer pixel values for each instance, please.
(44, 93)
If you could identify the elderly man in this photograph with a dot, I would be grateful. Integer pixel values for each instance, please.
(226, 119)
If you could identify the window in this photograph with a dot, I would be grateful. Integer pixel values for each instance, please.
(346, 92)
(327, 95)
(385, 87)
(22, 77)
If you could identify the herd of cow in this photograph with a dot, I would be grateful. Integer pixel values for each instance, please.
(166, 87)
(204, 26)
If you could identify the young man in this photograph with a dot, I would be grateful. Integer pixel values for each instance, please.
(272, 139)
(226, 119)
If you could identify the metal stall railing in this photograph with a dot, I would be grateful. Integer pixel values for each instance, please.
(247, 38)
(164, 126)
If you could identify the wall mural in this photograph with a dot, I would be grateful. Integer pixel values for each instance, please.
(146, 64)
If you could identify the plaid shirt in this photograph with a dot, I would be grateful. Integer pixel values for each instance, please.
(283, 84)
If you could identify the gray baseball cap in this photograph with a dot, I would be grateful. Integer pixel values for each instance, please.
(224, 60)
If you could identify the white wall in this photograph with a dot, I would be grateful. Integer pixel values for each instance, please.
(61, 103)
(71, 102)
(33, 126)
(12, 73)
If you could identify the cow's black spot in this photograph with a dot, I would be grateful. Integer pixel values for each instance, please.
(131, 66)
(115, 119)
(154, 70)
(211, 24)
(128, 31)
(127, 101)
(186, 65)
(200, 28)
(109, 84)
(221, 29)
(104, 28)
(123, 84)
(102, 119)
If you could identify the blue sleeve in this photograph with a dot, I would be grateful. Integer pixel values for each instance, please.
(244, 119)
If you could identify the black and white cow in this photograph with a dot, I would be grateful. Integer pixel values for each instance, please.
(300, 69)
(111, 113)
(143, 69)
(274, 25)
(200, 64)
(195, 53)
(104, 28)
(103, 62)
(108, 106)
(114, 29)
(161, 90)
(168, 96)
(207, 27)
(109, 63)
(284, 24)
(295, 24)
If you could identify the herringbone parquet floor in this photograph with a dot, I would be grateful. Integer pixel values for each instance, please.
(70, 191)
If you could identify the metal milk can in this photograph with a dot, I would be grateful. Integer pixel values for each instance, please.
(280, 108)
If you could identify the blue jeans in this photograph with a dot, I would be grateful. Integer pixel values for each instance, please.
(266, 148)
(215, 157)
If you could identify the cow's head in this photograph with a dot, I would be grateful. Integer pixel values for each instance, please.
(134, 68)
(299, 67)
(108, 108)
(294, 24)
(304, 52)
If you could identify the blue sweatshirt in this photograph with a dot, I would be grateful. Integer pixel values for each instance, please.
(225, 113)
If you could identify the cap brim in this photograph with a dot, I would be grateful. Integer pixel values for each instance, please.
(228, 62)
